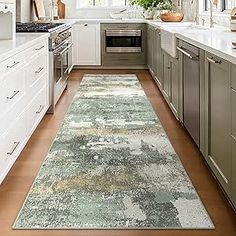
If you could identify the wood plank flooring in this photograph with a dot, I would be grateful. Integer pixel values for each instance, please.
(16, 185)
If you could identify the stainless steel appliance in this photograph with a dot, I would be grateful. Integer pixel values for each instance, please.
(123, 45)
(191, 90)
(60, 55)
(123, 40)
(60, 62)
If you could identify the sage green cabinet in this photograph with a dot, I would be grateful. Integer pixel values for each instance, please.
(234, 171)
(166, 75)
(218, 130)
(233, 107)
(157, 56)
(170, 78)
(174, 84)
(150, 34)
(233, 77)
(233, 143)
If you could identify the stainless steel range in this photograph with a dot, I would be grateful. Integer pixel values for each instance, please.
(60, 55)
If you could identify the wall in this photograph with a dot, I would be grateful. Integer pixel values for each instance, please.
(23, 10)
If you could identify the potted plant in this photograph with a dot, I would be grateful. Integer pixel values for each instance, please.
(148, 6)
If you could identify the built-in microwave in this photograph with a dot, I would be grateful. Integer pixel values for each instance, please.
(123, 40)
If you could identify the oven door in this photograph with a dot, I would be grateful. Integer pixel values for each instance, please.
(123, 41)
(61, 69)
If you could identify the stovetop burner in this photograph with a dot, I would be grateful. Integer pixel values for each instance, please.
(37, 27)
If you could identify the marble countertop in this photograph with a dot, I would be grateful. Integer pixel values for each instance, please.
(21, 42)
(216, 41)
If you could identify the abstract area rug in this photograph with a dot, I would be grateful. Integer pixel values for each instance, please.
(112, 166)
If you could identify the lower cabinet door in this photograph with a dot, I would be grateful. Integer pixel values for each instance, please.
(37, 109)
(166, 75)
(11, 144)
(86, 40)
(219, 118)
(174, 85)
(234, 171)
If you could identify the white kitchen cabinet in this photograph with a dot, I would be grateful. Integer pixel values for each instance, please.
(86, 44)
(24, 100)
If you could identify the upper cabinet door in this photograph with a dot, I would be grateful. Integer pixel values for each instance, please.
(87, 46)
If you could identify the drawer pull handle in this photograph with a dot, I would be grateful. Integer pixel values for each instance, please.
(14, 64)
(14, 94)
(39, 70)
(37, 49)
(15, 145)
(85, 24)
(189, 55)
(211, 59)
(40, 109)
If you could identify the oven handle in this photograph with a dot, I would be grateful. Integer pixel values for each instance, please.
(64, 50)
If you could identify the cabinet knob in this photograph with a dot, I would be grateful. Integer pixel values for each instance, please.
(85, 24)
(6, 7)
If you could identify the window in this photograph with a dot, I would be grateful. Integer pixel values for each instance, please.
(101, 3)
(219, 5)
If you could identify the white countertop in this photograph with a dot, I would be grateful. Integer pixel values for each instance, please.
(216, 41)
(22, 41)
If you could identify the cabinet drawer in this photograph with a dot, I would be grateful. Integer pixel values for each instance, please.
(233, 76)
(11, 144)
(37, 109)
(38, 85)
(13, 88)
(37, 74)
(233, 107)
(12, 64)
(37, 49)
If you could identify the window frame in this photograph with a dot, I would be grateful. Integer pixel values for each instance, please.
(94, 6)
(222, 10)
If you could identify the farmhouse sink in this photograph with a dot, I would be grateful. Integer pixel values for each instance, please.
(168, 38)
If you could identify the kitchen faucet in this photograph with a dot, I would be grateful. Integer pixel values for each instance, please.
(211, 14)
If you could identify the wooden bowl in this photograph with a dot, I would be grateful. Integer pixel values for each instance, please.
(172, 16)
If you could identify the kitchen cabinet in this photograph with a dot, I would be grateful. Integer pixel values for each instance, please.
(218, 127)
(154, 53)
(174, 84)
(86, 44)
(233, 143)
(24, 100)
(170, 78)
(233, 138)
(157, 62)
(233, 109)
(150, 36)
(166, 75)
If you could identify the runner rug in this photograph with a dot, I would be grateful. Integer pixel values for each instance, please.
(112, 166)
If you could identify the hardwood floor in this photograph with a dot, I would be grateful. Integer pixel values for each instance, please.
(16, 185)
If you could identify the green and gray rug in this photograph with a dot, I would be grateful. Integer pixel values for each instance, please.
(112, 166)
